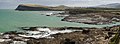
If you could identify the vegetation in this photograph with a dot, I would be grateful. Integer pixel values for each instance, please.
(116, 38)
(78, 10)
(33, 7)
(98, 8)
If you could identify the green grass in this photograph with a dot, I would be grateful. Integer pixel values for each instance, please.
(92, 10)
(116, 38)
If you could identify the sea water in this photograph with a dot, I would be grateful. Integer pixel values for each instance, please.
(10, 20)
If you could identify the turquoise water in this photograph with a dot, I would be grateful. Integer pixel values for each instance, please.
(11, 20)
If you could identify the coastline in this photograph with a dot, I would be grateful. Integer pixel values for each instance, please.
(59, 35)
(60, 22)
(32, 35)
(11, 20)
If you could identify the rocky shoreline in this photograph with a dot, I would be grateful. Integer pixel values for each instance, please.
(88, 16)
(93, 18)
(59, 35)
(68, 35)
(96, 16)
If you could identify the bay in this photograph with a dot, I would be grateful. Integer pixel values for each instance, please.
(10, 20)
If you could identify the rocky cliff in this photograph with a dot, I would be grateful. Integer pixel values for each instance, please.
(34, 7)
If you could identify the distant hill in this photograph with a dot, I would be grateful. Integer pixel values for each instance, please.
(34, 7)
(113, 5)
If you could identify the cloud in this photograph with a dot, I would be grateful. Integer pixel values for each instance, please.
(15, 3)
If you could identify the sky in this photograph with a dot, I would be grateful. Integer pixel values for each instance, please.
(12, 4)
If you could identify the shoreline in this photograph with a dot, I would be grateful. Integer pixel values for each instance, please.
(58, 36)
(93, 18)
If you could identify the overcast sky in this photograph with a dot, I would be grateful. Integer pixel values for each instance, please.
(81, 3)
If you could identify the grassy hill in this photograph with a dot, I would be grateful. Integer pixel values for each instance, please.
(34, 7)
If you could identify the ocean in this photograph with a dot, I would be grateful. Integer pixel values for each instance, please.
(10, 20)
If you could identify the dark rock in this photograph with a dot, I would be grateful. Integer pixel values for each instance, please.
(85, 31)
(74, 28)
(33, 28)
(10, 32)
(29, 29)
(87, 36)
(68, 41)
(93, 18)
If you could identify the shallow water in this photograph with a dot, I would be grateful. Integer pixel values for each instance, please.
(11, 20)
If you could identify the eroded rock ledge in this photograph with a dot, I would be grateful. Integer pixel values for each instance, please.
(58, 35)
(93, 18)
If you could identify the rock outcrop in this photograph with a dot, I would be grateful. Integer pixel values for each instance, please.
(33, 7)
(93, 18)
(86, 36)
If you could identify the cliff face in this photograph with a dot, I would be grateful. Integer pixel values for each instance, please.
(28, 7)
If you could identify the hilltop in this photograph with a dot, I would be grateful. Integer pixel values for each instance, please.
(112, 5)
(35, 7)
